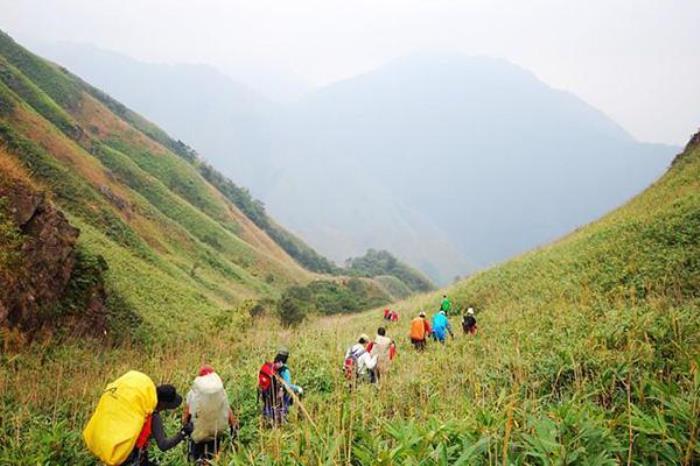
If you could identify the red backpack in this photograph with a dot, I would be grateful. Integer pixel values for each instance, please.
(266, 376)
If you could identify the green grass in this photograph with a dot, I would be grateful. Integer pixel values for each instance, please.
(34, 97)
(54, 82)
(588, 349)
(588, 353)
(150, 208)
(178, 177)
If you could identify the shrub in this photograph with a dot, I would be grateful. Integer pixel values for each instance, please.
(294, 306)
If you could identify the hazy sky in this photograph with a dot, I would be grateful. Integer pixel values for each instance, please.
(636, 60)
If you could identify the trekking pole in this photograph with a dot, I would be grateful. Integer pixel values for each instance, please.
(297, 400)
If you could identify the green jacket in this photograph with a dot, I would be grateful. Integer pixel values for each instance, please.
(446, 305)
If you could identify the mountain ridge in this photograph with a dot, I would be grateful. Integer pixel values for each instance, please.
(487, 118)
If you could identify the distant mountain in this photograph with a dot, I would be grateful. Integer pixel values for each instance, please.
(450, 162)
(479, 148)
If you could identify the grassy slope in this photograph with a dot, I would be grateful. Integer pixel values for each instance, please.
(588, 353)
(174, 243)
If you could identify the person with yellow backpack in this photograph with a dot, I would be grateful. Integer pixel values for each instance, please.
(127, 417)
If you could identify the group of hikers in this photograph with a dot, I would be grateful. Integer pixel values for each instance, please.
(128, 414)
(367, 360)
(421, 329)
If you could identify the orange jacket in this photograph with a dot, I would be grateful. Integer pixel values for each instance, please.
(420, 328)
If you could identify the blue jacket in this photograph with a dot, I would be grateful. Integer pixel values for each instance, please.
(441, 326)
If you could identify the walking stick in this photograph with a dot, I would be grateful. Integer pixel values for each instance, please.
(297, 400)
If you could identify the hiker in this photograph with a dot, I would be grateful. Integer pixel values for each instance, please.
(420, 329)
(275, 388)
(168, 398)
(469, 322)
(394, 316)
(208, 409)
(359, 364)
(384, 349)
(446, 304)
(387, 314)
(441, 327)
(128, 416)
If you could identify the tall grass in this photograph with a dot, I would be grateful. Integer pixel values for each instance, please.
(587, 353)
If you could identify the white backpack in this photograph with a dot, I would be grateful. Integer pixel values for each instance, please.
(208, 407)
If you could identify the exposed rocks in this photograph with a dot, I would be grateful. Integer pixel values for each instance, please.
(41, 264)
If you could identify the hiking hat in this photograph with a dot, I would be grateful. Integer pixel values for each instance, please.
(282, 355)
(470, 311)
(363, 338)
(168, 397)
(422, 314)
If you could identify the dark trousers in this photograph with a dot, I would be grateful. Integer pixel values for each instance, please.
(138, 457)
(205, 450)
(418, 344)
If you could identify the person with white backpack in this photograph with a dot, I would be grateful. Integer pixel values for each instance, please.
(360, 364)
(208, 409)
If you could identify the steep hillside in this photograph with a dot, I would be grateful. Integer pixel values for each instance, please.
(587, 353)
(178, 238)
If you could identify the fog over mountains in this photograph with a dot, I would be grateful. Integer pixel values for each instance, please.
(451, 162)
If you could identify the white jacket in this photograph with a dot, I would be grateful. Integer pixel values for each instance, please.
(364, 360)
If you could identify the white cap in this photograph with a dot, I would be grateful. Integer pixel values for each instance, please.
(470, 311)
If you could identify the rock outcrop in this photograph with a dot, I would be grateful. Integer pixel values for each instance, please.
(39, 263)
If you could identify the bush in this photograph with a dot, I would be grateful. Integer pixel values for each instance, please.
(293, 308)
(377, 263)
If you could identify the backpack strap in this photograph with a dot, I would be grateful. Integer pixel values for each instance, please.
(146, 432)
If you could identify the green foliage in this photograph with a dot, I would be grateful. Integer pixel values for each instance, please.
(177, 176)
(255, 211)
(327, 297)
(293, 306)
(7, 102)
(182, 213)
(54, 82)
(34, 97)
(10, 245)
(86, 279)
(71, 190)
(393, 286)
(376, 263)
(146, 127)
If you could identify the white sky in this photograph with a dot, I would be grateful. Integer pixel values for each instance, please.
(636, 60)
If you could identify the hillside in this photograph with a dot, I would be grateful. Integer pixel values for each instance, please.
(438, 146)
(587, 353)
(176, 237)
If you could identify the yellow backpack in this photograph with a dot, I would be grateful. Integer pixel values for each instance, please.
(124, 406)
